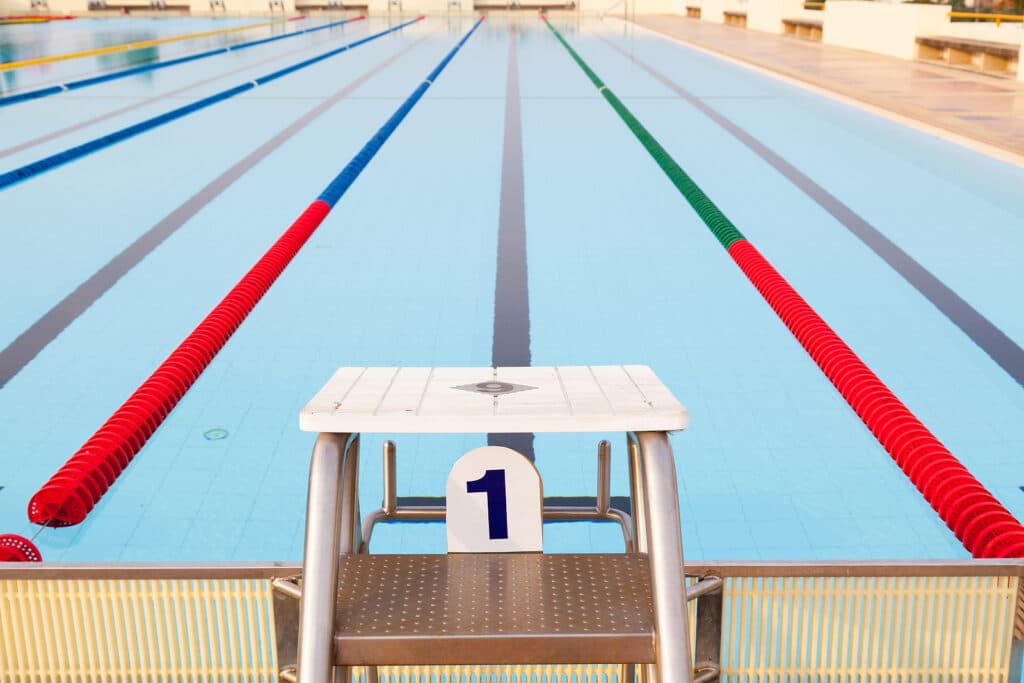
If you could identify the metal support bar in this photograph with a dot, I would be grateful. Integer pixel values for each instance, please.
(350, 535)
(348, 527)
(286, 621)
(604, 477)
(320, 558)
(390, 511)
(636, 495)
(707, 647)
(287, 586)
(706, 675)
(645, 672)
(707, 585)
(390, 478)
(665, 553)
(436, 513)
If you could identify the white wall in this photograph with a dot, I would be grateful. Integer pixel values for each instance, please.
(767, 15)
(1007, 32)
(881, 27)
(14, 7)
(257, 8)
(656, 6)
(619, 7)
(425, 6)
(712, 11)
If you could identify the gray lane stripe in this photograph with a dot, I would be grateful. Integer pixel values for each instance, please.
(993, 341)
(168, 95)
(511, 345)
(33, 340)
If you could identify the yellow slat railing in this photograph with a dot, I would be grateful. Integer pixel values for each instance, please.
(109, 629)
(869, 628)
(786, 622)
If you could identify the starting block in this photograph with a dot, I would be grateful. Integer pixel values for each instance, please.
(495, 598)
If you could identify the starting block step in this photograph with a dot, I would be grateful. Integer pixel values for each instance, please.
(494, 609)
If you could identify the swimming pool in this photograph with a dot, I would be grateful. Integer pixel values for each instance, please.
(405, 271)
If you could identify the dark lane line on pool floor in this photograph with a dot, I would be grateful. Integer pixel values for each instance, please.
(29, 343)
(150, 100)
(989, 338)
(511, 340)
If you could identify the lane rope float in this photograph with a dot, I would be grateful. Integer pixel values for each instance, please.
(6, 66)
(73, 153)
(14, 548)
(981, 523)
(154, 66)
(68, 496)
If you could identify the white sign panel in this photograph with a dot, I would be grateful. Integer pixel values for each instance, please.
(494, 503)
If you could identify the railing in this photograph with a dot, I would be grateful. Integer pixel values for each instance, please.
(770, 620)
(983, 16)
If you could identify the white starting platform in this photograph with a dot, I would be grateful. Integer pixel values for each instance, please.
(496, 598)
(494, 400)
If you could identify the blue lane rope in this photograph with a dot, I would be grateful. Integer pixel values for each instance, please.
(96, 80)
(67, 156)
(333, 192)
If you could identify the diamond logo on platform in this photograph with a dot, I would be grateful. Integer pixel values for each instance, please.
(494, 387)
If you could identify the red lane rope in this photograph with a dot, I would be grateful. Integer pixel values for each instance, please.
(983, 525)
(14, 548)
(68, 496)
(74, 489)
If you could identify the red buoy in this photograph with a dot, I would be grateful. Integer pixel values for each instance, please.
(14, 548)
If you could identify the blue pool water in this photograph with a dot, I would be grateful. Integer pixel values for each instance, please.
(403, 272)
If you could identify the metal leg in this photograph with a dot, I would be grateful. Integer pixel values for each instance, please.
(638, 498)
(665, 552)
(348, 542)
(1016, 671)
(320, 559)
(636, 494)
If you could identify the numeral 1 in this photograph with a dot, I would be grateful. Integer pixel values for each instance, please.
(493, 484)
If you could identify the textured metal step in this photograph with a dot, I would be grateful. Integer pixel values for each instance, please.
(494, 609)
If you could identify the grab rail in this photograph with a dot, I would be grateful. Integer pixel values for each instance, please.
(985, 16)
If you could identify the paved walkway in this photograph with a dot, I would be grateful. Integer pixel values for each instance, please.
(985, 108)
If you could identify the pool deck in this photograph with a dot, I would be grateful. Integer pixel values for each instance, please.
(982, 108)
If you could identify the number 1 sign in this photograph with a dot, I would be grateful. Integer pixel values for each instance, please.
(494, 503)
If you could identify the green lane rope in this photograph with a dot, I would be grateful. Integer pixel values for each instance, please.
(717, 222)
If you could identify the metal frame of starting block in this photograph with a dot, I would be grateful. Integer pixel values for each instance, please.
(361, 610)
